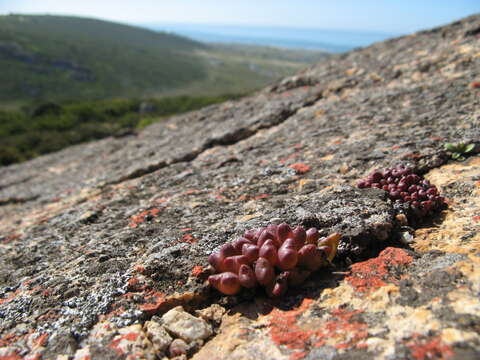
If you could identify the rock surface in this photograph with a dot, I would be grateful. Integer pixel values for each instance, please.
(100, 240)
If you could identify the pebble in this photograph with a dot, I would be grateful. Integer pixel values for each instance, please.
(185, 326)
(157, 334)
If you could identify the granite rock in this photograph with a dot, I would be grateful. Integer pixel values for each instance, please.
(100, 240)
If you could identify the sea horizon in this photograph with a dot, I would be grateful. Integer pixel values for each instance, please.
(329, 40)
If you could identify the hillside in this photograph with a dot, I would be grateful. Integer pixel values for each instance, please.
(54, 56)
(105, 246)
(59, 58)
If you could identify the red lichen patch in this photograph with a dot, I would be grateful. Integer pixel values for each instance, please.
(374, 273)
(9, 339)
(342, 323)
(189, 239)
(430, 348)
(9, 297)
(412, 156)
(135, 220)
(135, 284)
(40, 341)
(261, 196)
(191, 192)
(116, 342)
(218, 195)
(197, 270)
(476, 218)
(139, 269)
(11, 356)
(49, 315)
(158, 301)
(300, 168)
(286, 330)
(10, 238)
(475, 85)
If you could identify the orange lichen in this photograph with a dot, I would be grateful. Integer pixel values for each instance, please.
(9, 339)
(116, 342)
(11, 356)
(286, 330)
(140, 218)
(158, 301)
(432, 348)
(300, 168)
(40, 340)
(197, 270)
(475, 85)
(139, 269)
(374, 273)
(135, 284)
(341, 324)
(9, 297)
(191, 192)
(189, 239)
(261, 196)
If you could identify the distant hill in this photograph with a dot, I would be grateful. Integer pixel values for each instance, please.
(66, 57)
(58, 58)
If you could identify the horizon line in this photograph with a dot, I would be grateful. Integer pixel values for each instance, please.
(151, 22)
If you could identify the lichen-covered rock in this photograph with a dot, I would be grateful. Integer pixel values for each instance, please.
(98, 239)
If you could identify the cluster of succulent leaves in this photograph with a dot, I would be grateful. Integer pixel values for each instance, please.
(405, 187)
(275, 257)
(458, 150)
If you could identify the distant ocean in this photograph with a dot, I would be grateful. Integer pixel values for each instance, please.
(334, 41)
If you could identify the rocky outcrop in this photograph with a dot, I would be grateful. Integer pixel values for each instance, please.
(104, 245)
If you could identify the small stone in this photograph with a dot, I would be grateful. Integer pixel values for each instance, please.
(213, 313)
(157, 334)
(402, 219)
(186, 326)
(178, 347)
(406, 238)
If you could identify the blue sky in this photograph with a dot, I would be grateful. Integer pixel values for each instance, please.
(393, 16)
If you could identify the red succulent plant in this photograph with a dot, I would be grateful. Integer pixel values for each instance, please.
(275, 257)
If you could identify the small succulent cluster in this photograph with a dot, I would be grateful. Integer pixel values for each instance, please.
(404, 186)
(458, 151)
(276, 257)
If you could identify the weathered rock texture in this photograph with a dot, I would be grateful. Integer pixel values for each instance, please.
(99, 241)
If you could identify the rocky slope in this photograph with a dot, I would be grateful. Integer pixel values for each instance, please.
(102, 243)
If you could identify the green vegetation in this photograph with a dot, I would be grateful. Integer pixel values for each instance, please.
(457, 151)
(58, 58)
(51, 127)
(86, 65)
